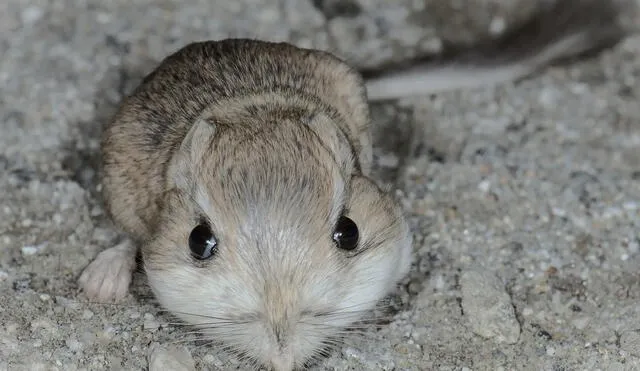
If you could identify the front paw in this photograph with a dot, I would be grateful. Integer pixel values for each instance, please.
(107, 277)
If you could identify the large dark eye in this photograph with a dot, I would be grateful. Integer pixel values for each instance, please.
(202, 242)
(346, 234)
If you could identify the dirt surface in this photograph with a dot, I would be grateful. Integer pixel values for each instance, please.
(524, 200)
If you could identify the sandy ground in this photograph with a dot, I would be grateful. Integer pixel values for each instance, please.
(524, 200)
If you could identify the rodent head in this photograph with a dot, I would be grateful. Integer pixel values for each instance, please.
(270, 240)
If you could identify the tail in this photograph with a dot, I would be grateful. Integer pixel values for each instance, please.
(562, 30)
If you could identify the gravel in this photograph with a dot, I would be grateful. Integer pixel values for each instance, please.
(524, 198)
(488, 307)
(170, 358)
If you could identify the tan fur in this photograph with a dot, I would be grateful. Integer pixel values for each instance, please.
(269, 143)
(152, 122)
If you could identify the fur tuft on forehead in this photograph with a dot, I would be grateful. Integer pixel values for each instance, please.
(283, 158)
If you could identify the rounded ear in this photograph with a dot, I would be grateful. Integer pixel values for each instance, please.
(335, 140)
(194, 144)
(343, 88)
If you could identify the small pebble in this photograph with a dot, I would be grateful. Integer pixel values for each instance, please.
(484, 186)
(57, 218)
(171, 357)
(547, 97)
(630, 342)
(31, 14)
(29, 250)
(351, 353)
(497, 26)
(389, 160)
(551, 351)
(210, 359)
(96, 211)
(73, 345)
(103, 18)
(488, 307)
(109, 333)
(581, 322)
(624, 257)
(102, 235)
(33, 249)
(150, 323)
(87, 314)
